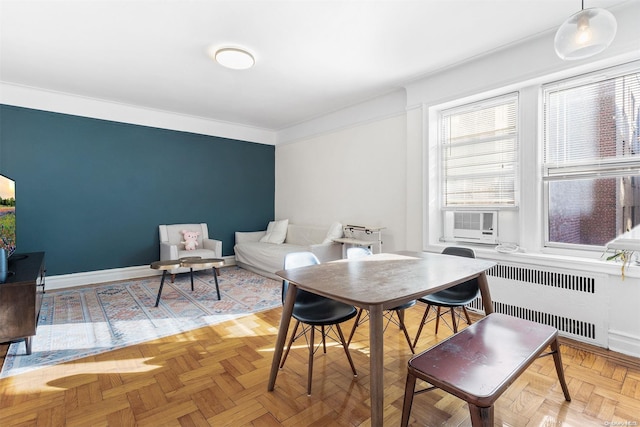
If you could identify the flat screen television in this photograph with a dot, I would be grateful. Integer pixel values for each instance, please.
(7, 215)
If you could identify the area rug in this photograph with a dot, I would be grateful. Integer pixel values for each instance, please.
(85, 321)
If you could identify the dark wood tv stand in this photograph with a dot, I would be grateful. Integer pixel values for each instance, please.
(21, 298)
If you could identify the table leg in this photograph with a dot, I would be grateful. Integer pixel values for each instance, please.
(376, 349)
(27, 344)
(191, 278)
(164, 273)
(215, 278)
(483, 284)
(287, 310)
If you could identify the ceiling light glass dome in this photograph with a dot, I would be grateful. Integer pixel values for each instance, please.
(585, 34)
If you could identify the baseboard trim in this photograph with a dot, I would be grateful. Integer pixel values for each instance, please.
(65, 281)
(625, 343)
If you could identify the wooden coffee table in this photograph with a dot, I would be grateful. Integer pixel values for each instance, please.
(190, 263)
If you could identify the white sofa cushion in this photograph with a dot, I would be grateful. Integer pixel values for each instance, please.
(267, 257)
(304, 235)
(335, 232)
(276, 232)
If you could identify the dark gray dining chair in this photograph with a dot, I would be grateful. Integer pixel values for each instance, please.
(315, 312)
(391, 314)
(456, 296)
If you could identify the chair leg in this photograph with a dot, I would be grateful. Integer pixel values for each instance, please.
(404, 330)
(310, 374)
(400, 314)
(355, 326)
(173, 278)
(324, 341)
(424, 320)
(346, 350)
(481, 417)
(453, 319)
(293, 337)
(466, 314)
(409, 389)
(437, 319)
(557, 359)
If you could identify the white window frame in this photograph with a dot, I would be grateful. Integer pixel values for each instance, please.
(605, 168)
(526, 224)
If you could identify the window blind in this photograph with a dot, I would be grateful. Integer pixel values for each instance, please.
(591, 129)
(479, 150)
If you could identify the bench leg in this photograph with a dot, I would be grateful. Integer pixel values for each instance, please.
(409, 388)
(481, 417)
(557, 359)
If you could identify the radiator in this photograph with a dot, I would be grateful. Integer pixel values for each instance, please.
(573, 302)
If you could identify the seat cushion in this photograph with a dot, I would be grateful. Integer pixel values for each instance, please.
(450, 298)
(323, 311)
(202, 253)
(265, 256)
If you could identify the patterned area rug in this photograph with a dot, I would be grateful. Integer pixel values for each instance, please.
(86, 321)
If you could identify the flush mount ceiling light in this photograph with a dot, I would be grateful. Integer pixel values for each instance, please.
(585, 34)
(234, 58)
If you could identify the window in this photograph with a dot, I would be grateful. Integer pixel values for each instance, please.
(479, 150)
(592, 159)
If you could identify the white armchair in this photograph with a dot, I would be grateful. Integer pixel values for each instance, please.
(172, 248)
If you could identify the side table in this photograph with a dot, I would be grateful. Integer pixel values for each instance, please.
(191, 263)
(211, 263)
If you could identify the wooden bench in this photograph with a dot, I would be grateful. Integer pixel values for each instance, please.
(480, 362)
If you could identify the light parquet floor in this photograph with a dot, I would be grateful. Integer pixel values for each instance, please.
(217, 376)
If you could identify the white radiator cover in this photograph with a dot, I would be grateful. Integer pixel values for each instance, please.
(574, 302)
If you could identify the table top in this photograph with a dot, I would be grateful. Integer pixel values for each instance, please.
(202, 262)
(166, 264)
(189, 262)
(386, 279)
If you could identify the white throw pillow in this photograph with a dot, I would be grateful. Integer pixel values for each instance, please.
(276, 232)
(335, 232)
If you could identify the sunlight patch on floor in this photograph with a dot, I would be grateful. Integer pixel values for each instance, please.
(68, 375)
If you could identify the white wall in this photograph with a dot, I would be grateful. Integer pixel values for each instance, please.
(355, 175)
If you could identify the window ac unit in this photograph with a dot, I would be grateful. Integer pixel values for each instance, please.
(475, 227)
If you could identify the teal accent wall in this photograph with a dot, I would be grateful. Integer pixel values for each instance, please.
(91, 192)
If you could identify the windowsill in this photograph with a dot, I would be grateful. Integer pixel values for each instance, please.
(583, 263)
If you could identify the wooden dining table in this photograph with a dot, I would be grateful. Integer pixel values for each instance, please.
(376, 283)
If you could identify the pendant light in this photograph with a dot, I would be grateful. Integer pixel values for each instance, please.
(585, 33)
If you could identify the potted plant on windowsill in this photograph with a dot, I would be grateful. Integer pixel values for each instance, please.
(624, 248)
(624, 256)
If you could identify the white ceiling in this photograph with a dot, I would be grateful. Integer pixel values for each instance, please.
(312, 57)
